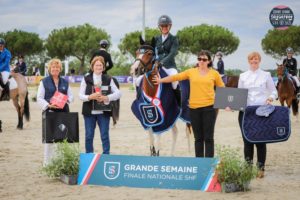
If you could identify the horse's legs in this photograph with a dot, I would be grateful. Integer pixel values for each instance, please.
(154, 143)
(281, 101)
(22, 103)
(157, 143)
(174, 138)
(151, 140)
(0, 126)
(17, 106)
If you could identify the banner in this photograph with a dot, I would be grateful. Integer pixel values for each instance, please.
(148, 172)
(76, 79)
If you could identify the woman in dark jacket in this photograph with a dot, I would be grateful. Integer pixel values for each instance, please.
(48, 86)
(97, 89)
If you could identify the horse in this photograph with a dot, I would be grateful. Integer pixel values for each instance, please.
(286, 89)
(19, 94)
(115, 111)
(151, 105)
(231, 81)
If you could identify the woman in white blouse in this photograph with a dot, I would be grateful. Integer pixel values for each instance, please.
(89, 95)
(261, 91)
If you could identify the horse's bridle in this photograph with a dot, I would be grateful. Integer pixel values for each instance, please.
(144, 51)
(284, 75)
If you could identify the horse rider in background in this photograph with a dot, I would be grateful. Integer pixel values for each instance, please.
(166, 47)
(103, 52)
(5, 57)
(291, 64)
(21, 66)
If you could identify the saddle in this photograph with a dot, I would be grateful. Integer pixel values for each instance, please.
(270, 128)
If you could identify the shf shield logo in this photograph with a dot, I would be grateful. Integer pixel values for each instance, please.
(280, 131)
(111, 170)
(230, 98)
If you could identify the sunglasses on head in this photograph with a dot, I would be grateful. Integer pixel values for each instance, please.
(203, 59)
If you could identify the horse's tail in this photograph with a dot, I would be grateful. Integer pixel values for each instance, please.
(295, 106)
(26, 108)
(115, 105)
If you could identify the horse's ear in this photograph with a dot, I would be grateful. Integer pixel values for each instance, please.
(142, 41)
(153, 42)
(277, 64)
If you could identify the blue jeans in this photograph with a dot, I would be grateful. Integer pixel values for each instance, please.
(90, 125)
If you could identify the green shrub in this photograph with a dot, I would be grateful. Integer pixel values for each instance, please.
(233, 168)
(65, 161)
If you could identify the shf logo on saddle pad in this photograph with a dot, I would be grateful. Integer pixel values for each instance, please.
(148, 172)
(151, 115)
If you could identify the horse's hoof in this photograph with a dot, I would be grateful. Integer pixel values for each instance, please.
(19, 127)
(152, 151)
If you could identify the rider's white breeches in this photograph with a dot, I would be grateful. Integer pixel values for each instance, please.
(5, 76)
(296, 80)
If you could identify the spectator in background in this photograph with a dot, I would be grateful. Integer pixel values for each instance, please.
(220, 64)
(103, 52)
(21, 66)
(72, 71)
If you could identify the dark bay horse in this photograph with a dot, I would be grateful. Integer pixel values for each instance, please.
(286, 89)
(231, 81)
(145, 60)
(19, 95)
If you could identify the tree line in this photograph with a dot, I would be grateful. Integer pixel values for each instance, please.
(78, 43)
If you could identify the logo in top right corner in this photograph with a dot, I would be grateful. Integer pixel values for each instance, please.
(281, 17)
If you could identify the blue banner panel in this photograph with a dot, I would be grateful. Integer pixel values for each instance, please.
(148, 172)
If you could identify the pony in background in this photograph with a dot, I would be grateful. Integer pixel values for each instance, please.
(287, 89)
(19, 95)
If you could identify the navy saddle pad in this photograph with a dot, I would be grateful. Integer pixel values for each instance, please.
(266, 129)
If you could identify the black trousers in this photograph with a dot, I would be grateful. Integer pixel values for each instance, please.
(203, 123)
(249, 148)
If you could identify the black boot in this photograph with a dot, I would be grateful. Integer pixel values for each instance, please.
(5, 91)
(177, 93)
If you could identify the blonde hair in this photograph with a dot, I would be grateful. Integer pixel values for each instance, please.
(95, 59)
(254, 54)
(54, 61)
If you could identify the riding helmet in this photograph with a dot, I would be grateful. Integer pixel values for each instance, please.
(164, 20)
(2, 41)
(219, 53)
(289, 50)
(103, 43)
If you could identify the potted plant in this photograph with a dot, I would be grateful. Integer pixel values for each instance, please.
(234, 173)
(65, 163)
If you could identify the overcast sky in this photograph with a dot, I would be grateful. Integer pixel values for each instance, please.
(249, 20)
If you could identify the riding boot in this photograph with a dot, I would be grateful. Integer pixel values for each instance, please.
(5, 91)
(177, 93)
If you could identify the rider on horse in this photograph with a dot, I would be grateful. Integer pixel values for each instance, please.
(5, 57)
(291, 64)
(166, 47)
